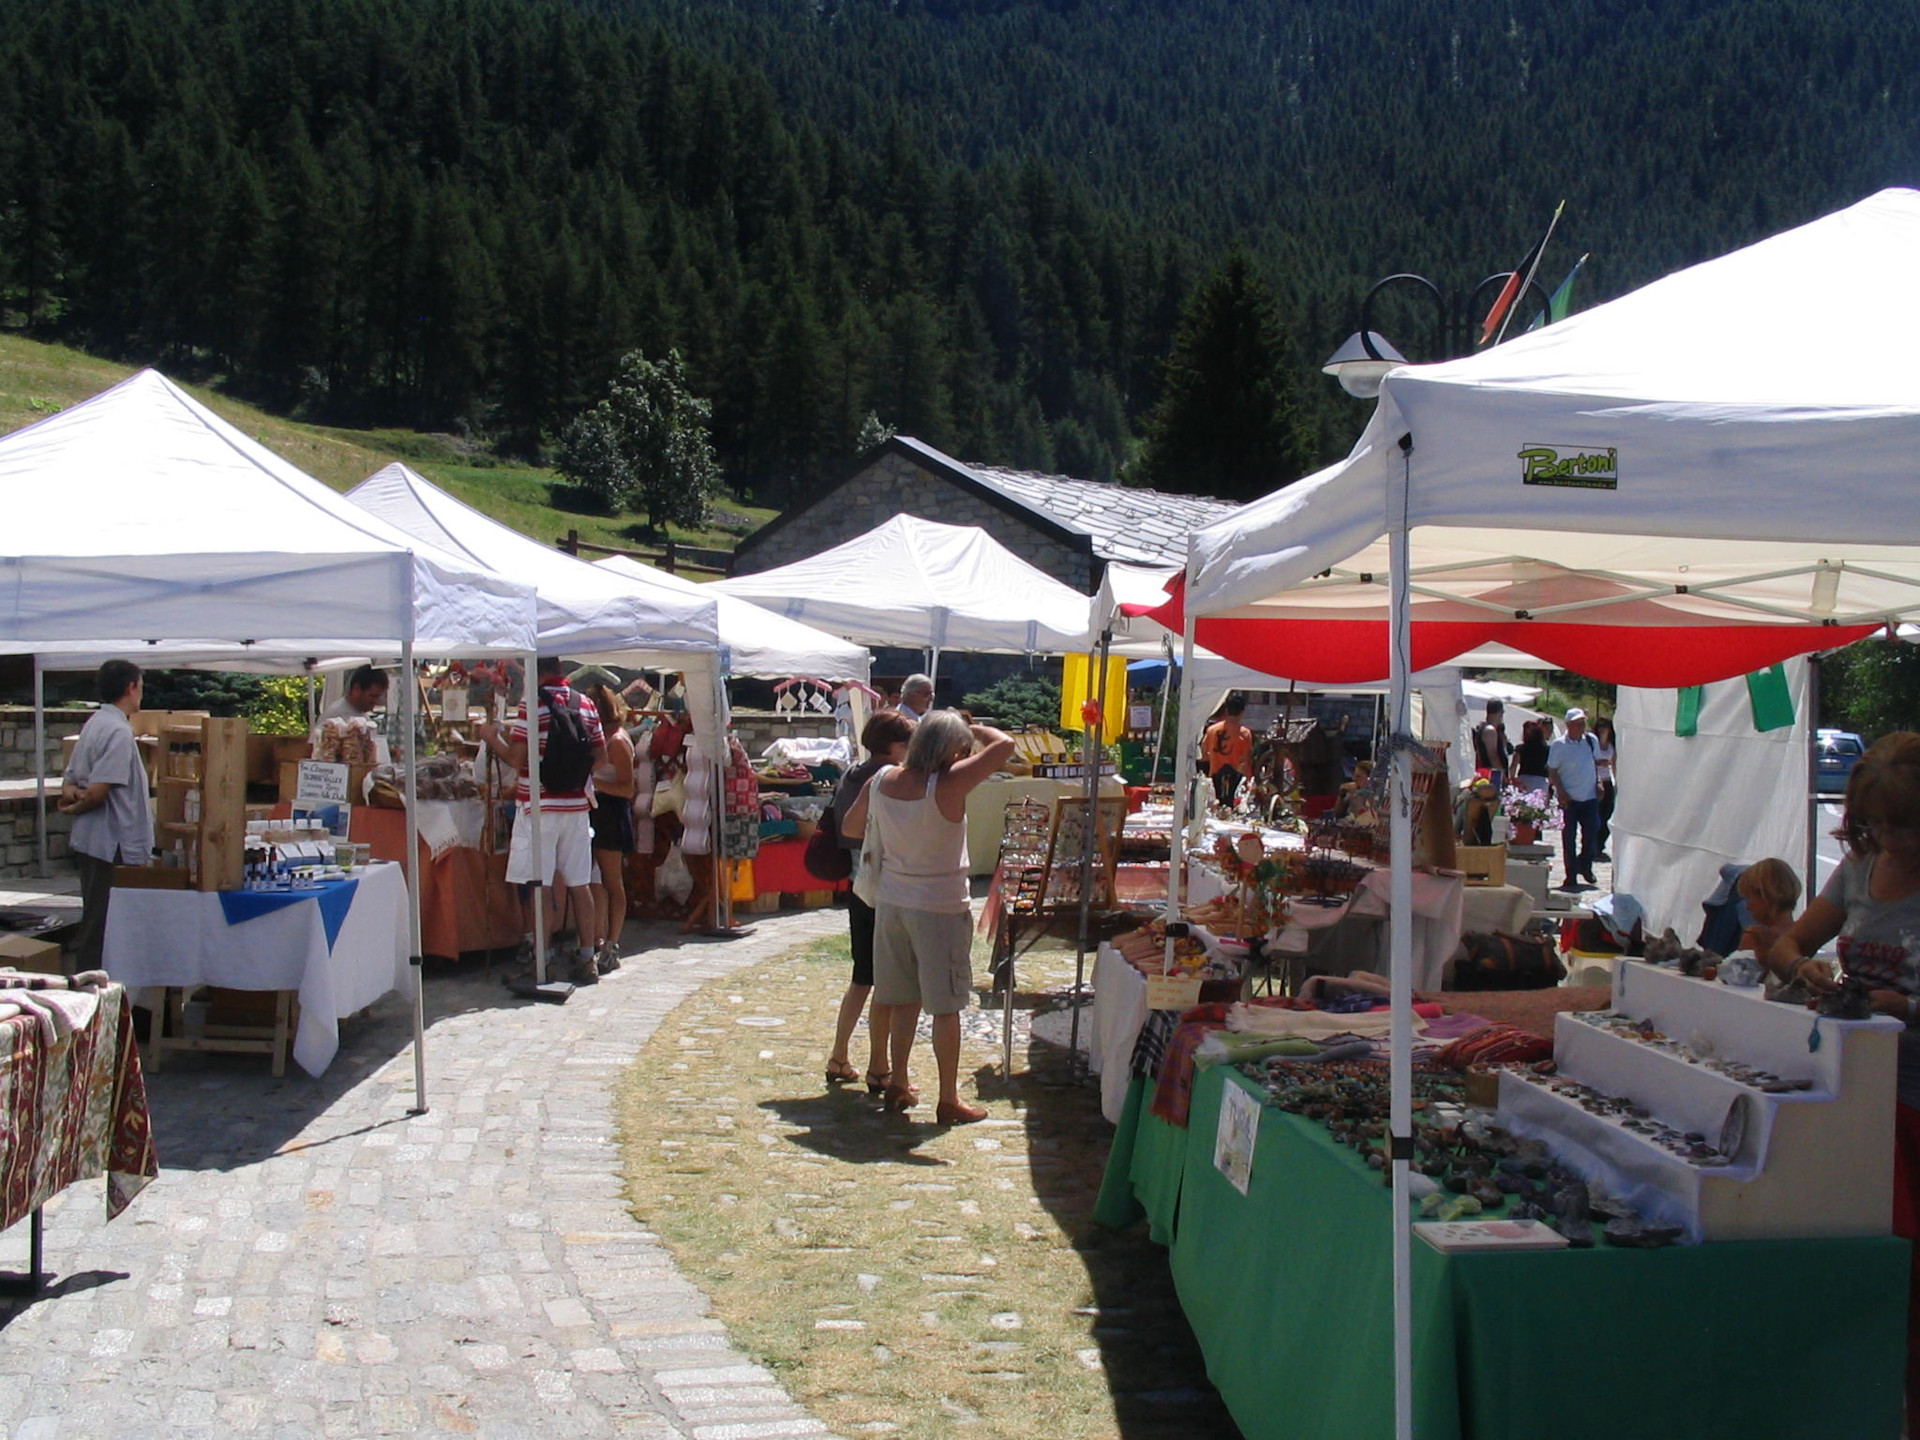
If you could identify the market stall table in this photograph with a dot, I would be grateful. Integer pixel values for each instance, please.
(1603, 1343)
(465, 901)
(73, 1103)
(780, 868)
(339, 946)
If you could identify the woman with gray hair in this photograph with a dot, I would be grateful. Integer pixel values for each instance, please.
(914, 817)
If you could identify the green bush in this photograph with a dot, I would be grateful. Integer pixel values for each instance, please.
(1018, 701)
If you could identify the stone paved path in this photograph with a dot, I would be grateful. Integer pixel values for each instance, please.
(314, 1262)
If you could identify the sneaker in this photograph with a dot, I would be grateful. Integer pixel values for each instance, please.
(1570, 887)
(1604, 858)
(583, 970)
(608, 960)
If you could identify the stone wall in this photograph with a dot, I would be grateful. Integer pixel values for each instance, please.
(16, 737)
(19, 851)
(895, 485)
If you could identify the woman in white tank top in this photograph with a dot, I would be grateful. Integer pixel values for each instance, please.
(914, 872)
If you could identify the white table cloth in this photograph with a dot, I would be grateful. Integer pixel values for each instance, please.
(1119, 1010)
(182, 938)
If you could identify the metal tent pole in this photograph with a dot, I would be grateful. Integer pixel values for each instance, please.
(409, 726)
(1813, 776)
(40, 769)
(1166, 695)
(1182, 791)
(1400, 930)
(530, 686)
(1095, 741)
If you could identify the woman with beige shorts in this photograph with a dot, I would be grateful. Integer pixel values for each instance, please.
(915, 822)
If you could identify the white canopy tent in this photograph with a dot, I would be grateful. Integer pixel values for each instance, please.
(1708, 475)
(142, 524)
(584, 613)
(934, 587)
(757, 641)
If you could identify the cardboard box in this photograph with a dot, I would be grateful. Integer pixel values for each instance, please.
(1482, 864)
(37, 957)
(267, 753)
(290, 782)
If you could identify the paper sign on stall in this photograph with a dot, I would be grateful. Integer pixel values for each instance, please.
(1233, 1140)
(1173, 992)
(321, 780)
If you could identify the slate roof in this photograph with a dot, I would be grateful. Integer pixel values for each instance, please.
(1140, 527)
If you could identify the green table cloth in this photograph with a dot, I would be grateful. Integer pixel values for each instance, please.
(1289, 1290)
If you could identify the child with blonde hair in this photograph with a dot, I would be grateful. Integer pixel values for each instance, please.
(1771, 891)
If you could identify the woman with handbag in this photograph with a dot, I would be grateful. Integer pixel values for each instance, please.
(915, 820)
(885, 741)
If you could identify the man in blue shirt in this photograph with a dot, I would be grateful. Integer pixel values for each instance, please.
(1572, 766)
(105, 790)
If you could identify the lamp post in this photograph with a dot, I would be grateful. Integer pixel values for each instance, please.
(1364, 360)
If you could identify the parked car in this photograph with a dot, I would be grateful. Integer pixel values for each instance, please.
(1836, 752)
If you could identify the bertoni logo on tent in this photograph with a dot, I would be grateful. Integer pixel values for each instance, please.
(1578, 470)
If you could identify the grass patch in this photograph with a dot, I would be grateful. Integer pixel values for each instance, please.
(900, 1278)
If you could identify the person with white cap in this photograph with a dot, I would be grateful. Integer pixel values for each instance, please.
(1572, 765)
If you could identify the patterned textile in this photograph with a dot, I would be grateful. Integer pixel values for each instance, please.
(740, 818)
(1173, 1095)
(1152, 1044)
(71, 1110)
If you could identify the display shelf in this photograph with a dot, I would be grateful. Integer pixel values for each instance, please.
(206, 755)
(1804, 1163)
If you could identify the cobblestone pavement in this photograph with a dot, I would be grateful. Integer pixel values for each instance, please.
(313, 1261)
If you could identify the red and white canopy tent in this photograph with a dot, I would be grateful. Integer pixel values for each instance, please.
(1711, 474)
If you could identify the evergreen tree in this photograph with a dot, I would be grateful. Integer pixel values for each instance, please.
(1225, 423)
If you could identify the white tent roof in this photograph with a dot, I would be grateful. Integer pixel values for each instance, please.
(758, 642)
(1761, 414)
(139, 515)
(585, 613)
(917, 583)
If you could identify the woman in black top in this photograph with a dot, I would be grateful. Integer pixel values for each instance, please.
(1530, 760)
(885, 741)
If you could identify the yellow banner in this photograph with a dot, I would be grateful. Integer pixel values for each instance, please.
(1080, 681)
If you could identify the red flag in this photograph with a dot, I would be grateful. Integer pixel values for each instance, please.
(1517, 279)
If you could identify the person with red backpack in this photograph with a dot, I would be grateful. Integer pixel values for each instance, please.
(571, 742)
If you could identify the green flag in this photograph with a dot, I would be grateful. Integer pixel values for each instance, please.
(1560, 303)
(1770, 699)
(1686, 711)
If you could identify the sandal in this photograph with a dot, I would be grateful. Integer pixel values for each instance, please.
(957, 1112)
(901, 1098)
(877, 1082)
(841, 1072)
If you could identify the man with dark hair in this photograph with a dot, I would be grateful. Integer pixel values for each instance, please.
(1492, 750)
(366, 692)
(105, 790)
(1228, 749)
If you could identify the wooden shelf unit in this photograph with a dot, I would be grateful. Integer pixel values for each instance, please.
(208, 755)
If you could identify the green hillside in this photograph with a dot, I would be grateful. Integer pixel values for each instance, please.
(37, 380)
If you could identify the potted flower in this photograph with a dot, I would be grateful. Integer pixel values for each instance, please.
(1530, 811)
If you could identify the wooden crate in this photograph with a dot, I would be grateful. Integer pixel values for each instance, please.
(815, 899)
(764, 904)
(1482, 864)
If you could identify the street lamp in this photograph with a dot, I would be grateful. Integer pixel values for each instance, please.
(1366, 357)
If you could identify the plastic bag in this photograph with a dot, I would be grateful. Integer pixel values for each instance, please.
(674, 879)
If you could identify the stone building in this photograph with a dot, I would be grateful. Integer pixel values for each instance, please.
(1069, 528)
(1066, 527)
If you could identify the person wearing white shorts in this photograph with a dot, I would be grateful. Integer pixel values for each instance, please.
(566, 848)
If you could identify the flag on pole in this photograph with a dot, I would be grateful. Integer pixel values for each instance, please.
(1517, 281)
(1560, 303)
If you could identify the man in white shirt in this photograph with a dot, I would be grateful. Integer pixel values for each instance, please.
(366, 693)
(916, 697)
(105, 790)
(1572, 766)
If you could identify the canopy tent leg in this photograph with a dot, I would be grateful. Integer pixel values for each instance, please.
(1182, 793)
(1400, 930)
(1813, 777)
(409, 718)
(531, 687)
(312, 701)
(1096, 737)
(722, 866)
(40, 770)
(1166, 694)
